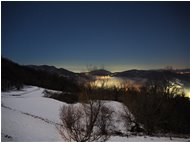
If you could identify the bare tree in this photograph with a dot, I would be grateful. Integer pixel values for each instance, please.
(70, 122)
(105, 120)
(85, 123)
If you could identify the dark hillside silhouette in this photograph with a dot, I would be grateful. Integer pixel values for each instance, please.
(14, 75)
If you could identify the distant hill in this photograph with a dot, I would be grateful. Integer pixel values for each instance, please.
(154, 74)
(183, 70)
(53, 70)
(131, 73)
(100, 72)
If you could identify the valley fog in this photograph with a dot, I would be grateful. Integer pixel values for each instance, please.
(108, 81)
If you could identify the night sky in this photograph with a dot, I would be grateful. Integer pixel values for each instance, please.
(116, 35)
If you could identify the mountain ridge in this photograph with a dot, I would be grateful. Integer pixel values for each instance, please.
(98, 72)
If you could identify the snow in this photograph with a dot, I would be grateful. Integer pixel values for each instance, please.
(22, 127)
(28, 116)
(35, 104)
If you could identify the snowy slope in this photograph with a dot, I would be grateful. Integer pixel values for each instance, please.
(22, 127)
(27, 116)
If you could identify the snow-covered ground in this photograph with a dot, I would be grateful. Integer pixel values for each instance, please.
(28, 116)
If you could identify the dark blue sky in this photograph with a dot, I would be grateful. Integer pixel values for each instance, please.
(118, 35)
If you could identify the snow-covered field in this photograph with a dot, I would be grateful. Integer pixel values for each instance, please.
(27, 116)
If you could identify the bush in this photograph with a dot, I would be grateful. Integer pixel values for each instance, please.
(130, 123)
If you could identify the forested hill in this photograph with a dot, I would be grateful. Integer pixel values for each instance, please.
(15, 76)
